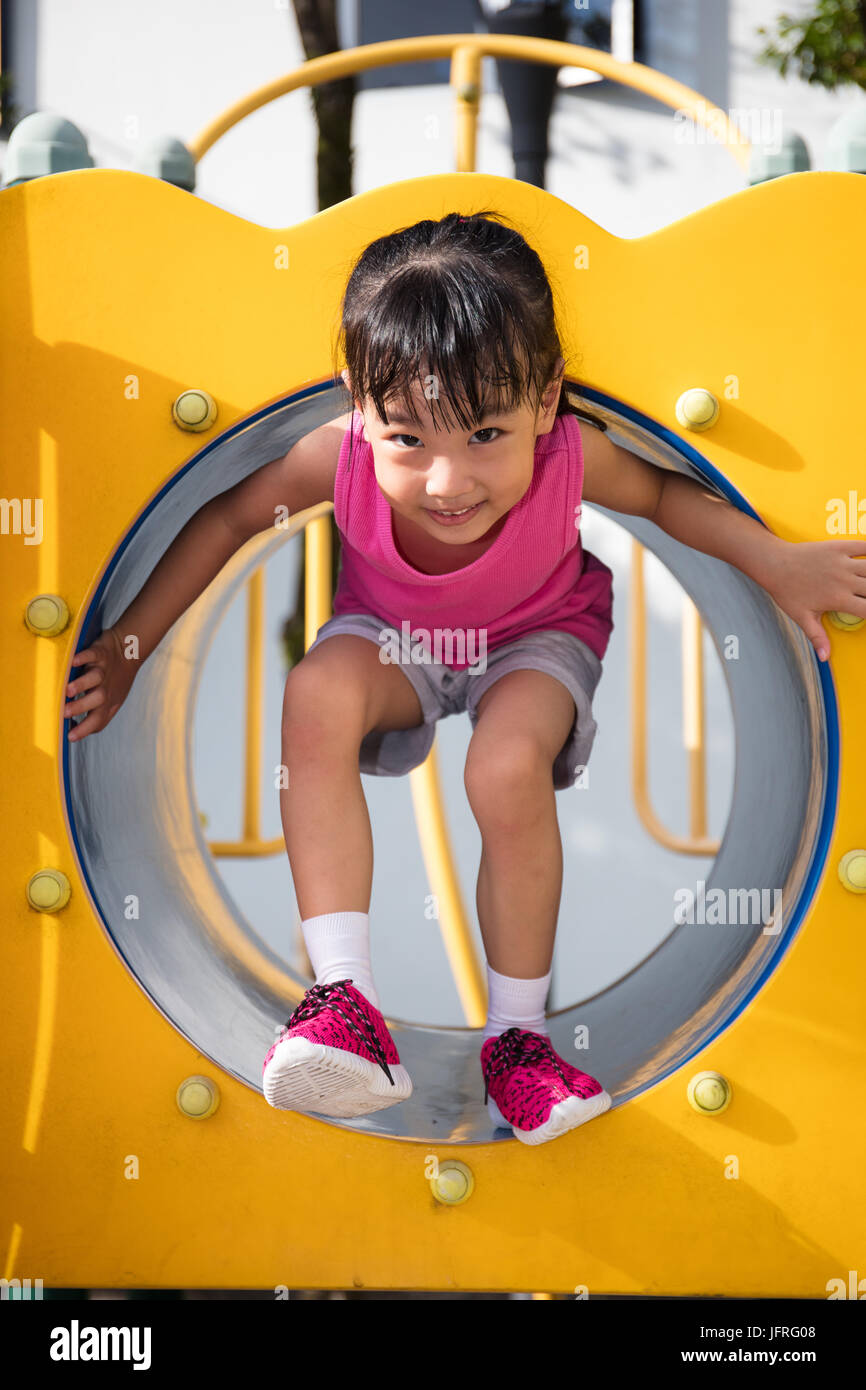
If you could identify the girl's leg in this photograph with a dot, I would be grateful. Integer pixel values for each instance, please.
(523, 722)
(336, 1059)
(339, 692)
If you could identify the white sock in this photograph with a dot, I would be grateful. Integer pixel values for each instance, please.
(338, 944)
(515, 1003)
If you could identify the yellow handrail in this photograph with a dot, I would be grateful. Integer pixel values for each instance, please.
(331, 66)
(317, 560)
(433, 838)
(693, 719)
(466, 52)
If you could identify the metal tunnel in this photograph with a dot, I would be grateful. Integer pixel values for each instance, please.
(130, 805)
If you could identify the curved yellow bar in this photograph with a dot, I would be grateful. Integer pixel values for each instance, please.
(697, 841)
(374, 55)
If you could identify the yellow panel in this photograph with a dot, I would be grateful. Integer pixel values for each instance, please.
(110, 278)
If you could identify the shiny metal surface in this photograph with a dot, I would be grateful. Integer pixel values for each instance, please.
(133, 819)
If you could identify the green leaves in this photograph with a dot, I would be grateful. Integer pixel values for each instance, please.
(827, 47)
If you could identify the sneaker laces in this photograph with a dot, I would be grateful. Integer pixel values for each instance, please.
(516, 1046)
(326, 996)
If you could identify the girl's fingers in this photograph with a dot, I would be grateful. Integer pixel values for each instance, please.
(81, 703)
(89, 725)
(95, 676)
(89, 681)
(92, 677)
(83, 695)
(96, 653)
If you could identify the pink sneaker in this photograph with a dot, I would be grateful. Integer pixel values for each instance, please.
(335, 1057)
(540, 1094)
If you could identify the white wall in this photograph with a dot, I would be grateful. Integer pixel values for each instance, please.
(126, 72)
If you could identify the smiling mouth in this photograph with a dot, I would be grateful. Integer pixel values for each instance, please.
(435, 511)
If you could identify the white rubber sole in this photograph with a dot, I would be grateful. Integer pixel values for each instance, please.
(566, 1114)
(308, 1076)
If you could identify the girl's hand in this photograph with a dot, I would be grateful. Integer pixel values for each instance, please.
(814, 577)
(103, 687)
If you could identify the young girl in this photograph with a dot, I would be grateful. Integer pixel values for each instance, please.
(457, 483)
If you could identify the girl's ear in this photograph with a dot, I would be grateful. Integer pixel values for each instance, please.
(550, 399)
(545, 414)
(348, 385)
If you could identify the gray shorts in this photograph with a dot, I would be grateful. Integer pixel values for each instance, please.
(442, 691)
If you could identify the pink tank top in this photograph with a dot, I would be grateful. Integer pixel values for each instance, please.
(536, 574)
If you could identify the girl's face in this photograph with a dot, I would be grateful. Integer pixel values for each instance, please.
(485, 470)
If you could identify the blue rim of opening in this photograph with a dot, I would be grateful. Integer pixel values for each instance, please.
(702, 466)
(90, 629)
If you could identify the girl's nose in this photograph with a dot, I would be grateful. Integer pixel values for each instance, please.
(447, 481)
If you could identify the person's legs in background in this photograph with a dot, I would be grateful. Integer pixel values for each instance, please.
(528, 89)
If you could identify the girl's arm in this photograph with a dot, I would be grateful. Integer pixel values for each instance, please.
(109, 665)
(805, 578)
(195, 556)
(301, 479)
(298, 480)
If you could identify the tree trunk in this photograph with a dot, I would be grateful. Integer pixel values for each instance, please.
(332, 107)
(332, 103)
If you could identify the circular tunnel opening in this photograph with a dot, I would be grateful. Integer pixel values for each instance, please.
(159, 895)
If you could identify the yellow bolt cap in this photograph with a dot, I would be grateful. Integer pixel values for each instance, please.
(46, 615)
(194, 410)
(453, 1184)
(709, 1093)
(852, 870)
(48, 890)
(198, 1097)
(846, 621)
(697, 409)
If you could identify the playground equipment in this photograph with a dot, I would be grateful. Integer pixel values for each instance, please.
(136, 996)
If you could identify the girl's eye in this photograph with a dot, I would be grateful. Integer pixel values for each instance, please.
(489, 429)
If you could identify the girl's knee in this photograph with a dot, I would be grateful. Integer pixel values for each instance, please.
(319, 709)
(505, 780)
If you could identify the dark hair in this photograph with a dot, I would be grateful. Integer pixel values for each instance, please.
(464, 298)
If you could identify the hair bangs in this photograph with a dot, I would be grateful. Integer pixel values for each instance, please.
(438, 335)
